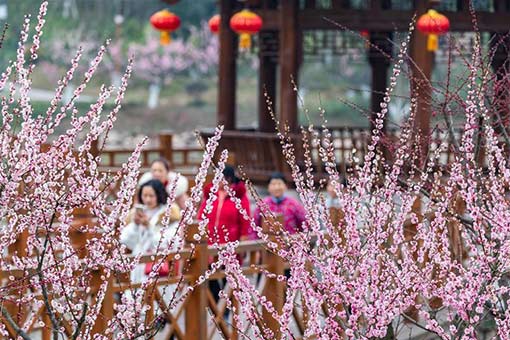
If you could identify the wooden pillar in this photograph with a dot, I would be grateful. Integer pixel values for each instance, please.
(310, 4)
(46, 331)
(274, 290)
(378, 57)
(196, 313)
(106, 313)
(267, 80)
(501, 6)
(289, 62)
(375, 5)
(500, 64)
(463, 5)
(94, 148)
(227, 68)
(341, 4)
(420, 81)
(166, 146)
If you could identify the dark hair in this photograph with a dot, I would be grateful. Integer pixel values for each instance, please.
(163, 161)
(277, 175)
(159, 189)
(342, 180)
(230, 174)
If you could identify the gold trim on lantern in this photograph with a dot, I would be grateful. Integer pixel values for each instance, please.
(432, 42)
(244, 41)
(165, 38)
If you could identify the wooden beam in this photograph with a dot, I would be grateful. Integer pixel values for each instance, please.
(500, 44)
(254, 3)
(310, 4)
(463, 5)
(420, 83)
(501, 6)
(340, 4)
(271, 4)
(227, 69)
(289, 64)
(267, 85)
(196, 312)
(371, 20)
(379, 59)
(375, 5)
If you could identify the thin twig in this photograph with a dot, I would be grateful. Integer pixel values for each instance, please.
(13, 324)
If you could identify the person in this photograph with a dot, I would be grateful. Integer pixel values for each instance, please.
(226, 223)
(280, 203)
(143, 231)
(160, 170)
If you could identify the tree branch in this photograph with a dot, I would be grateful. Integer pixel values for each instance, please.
(13, 324)
(80, 322)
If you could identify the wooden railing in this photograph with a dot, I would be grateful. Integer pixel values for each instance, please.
(260, 153)
(186, 159)
(190, 319)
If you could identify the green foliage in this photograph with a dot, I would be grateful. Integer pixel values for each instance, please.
(96, 17)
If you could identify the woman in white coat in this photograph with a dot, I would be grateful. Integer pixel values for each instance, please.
(143, 232)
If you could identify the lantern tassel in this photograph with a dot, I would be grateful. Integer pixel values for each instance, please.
(244, 41)
(432, 42)
(165, 38)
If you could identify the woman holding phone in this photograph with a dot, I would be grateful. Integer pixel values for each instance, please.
(143, 231)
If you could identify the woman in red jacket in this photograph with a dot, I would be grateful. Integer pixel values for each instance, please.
(226, 223)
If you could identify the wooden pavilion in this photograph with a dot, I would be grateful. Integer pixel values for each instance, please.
(280, 51)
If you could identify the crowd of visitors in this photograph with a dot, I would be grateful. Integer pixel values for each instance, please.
(144, 232)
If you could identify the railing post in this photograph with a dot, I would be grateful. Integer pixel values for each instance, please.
(78, 234)
(106, 312)
(46, 333)
(149, 300)
(196, 314)
(234, 335)
(337, 216)
(274, 290)
(166, 146)
(19, 248)
(94, 148)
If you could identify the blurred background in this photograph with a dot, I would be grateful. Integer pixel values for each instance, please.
(173, 87)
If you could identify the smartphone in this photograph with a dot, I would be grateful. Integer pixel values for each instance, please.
(139, 208)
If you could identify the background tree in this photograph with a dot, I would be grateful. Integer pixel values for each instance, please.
(160, 64)
(195, 56)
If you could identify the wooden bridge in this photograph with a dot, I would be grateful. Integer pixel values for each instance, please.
(198, 316)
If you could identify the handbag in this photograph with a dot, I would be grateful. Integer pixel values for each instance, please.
(164, 269)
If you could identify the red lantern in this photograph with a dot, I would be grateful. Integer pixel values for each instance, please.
(166, 22)
(245, 23)
(214, 23)
(433, 24)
